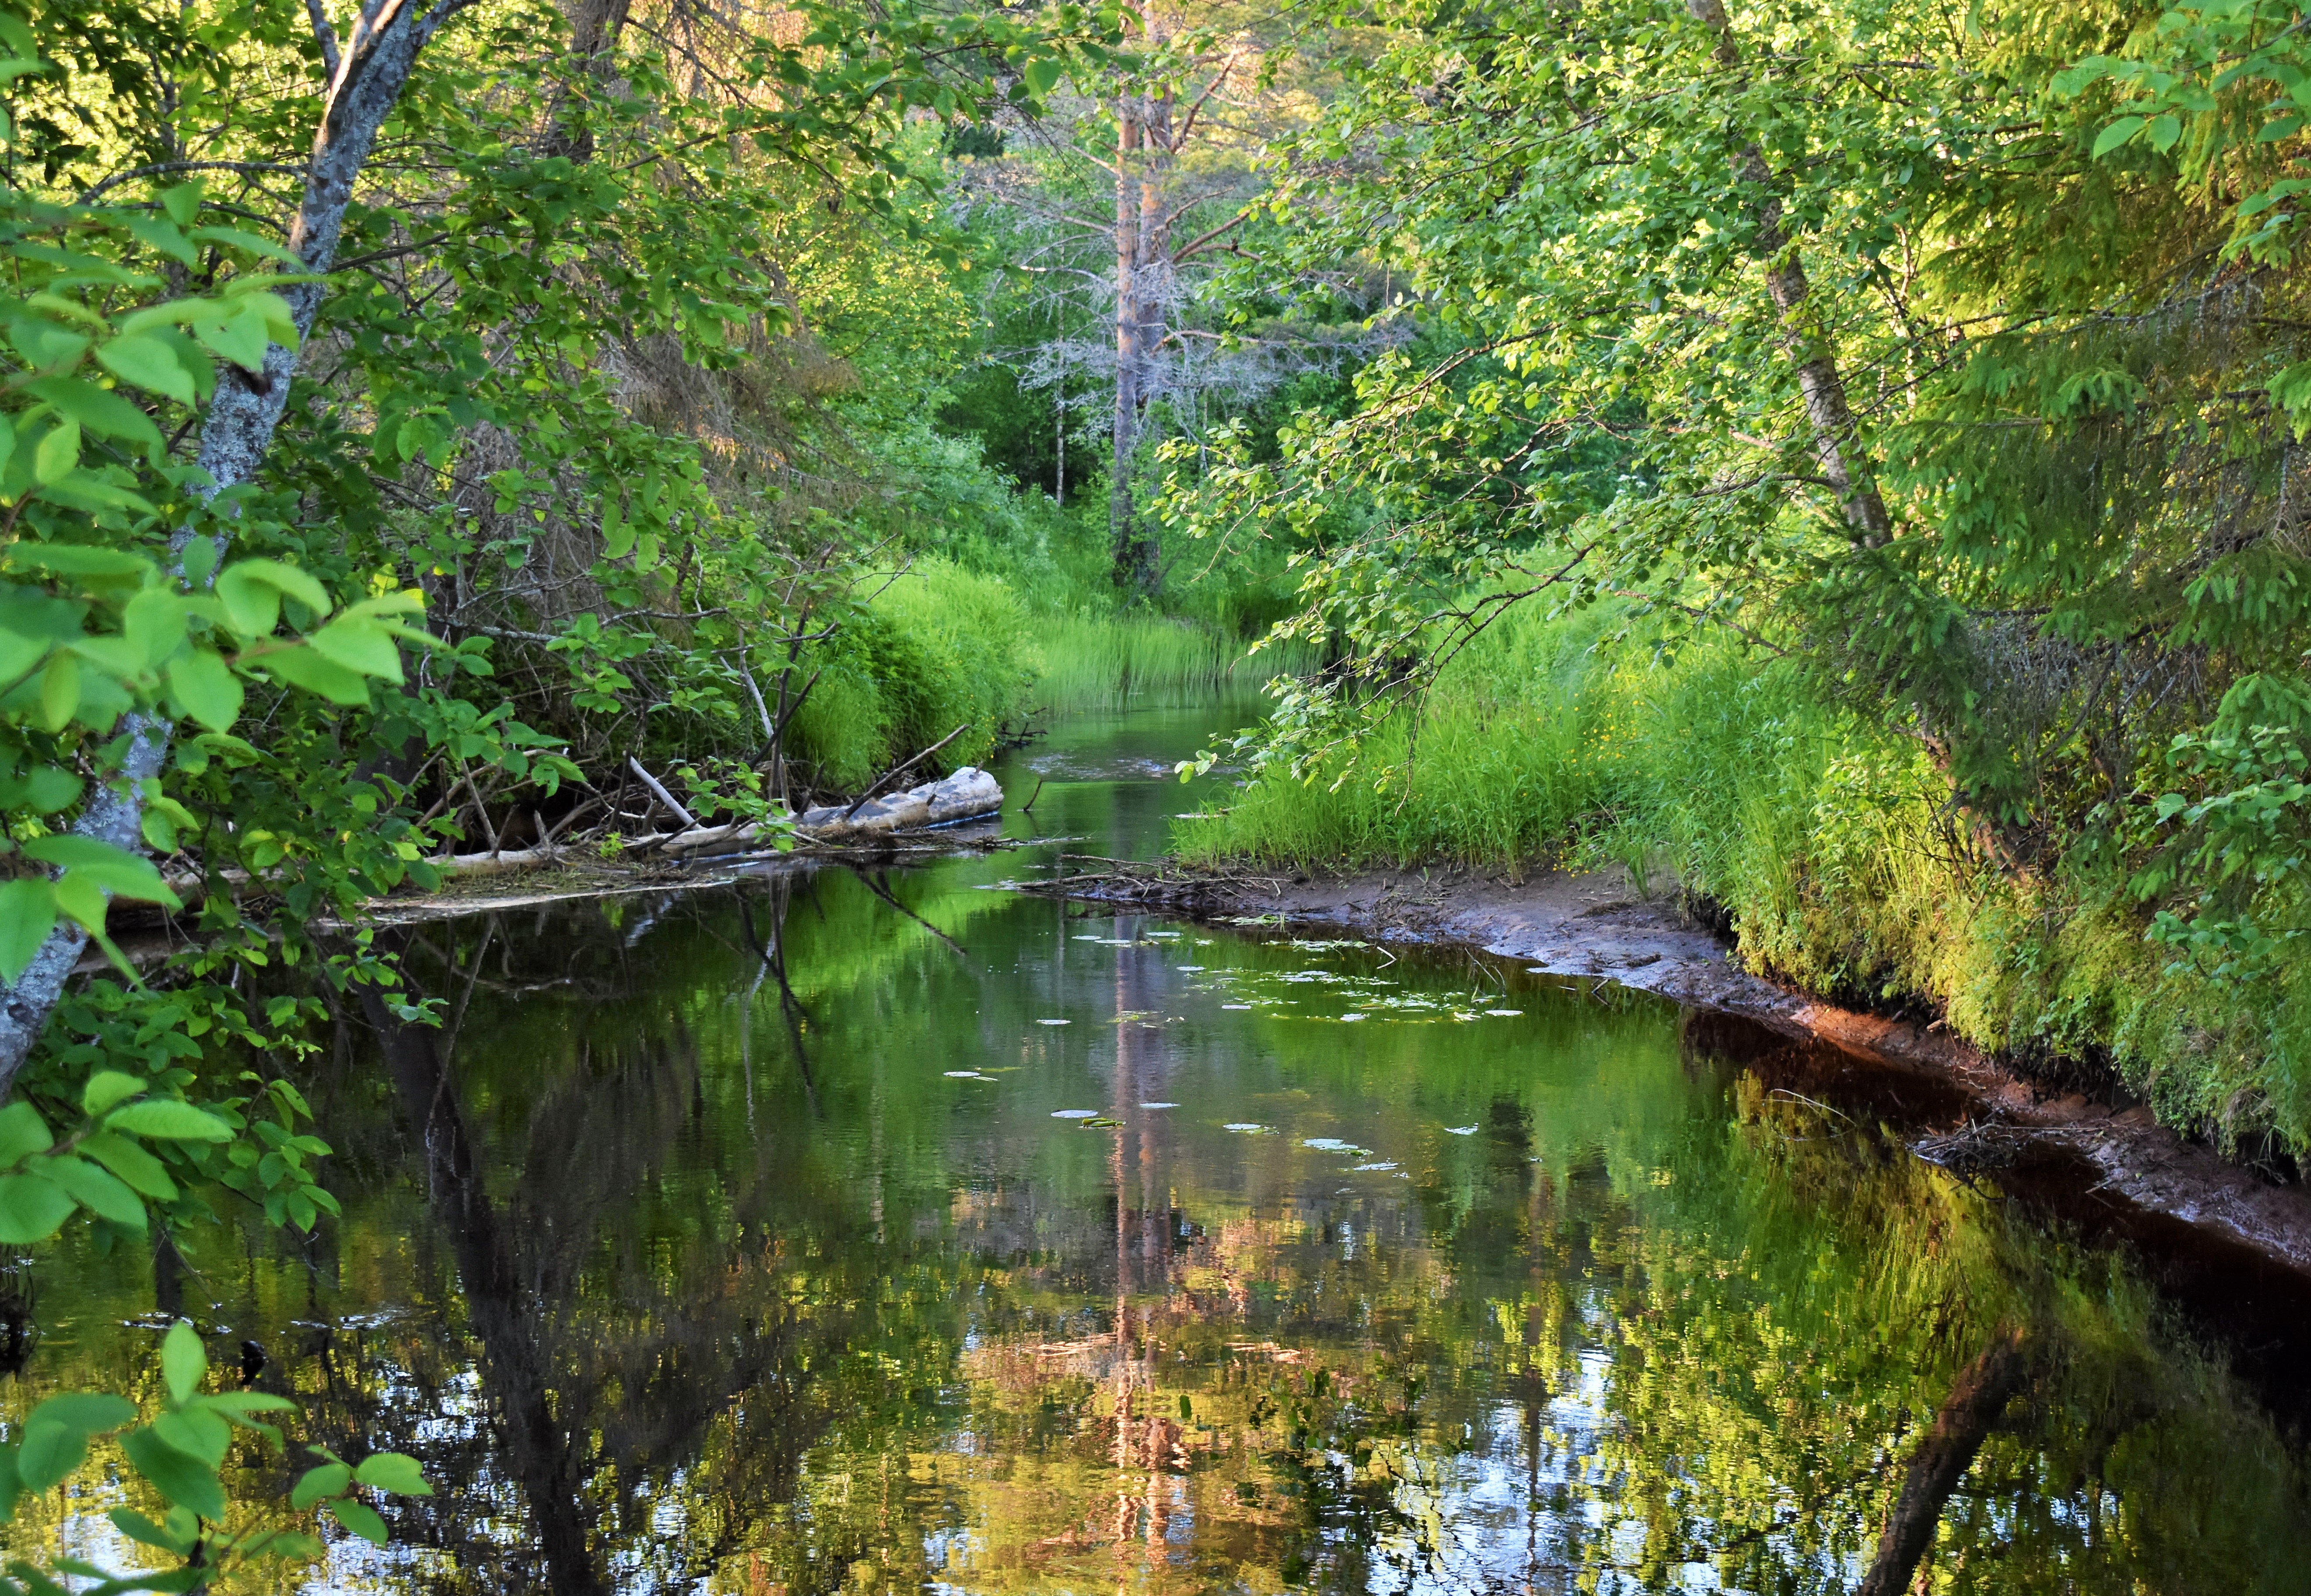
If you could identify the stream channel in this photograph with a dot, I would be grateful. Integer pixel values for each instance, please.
(883, 1232)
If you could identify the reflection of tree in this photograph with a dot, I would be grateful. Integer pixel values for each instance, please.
(1649, 1314)
(600, 1398)
(543, 1454)
(1977, 1399)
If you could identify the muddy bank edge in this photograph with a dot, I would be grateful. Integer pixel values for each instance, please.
(1594, 925)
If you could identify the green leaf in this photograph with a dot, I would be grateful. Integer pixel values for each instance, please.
(49, 1451)
(360, 646)
(137, 1168)
(83, 899)
(157, 830)
(97, 410)
(28, 914)
(22, 1133)
(184, 1361)
(182, 202)
(240, 336)
(57, 453)
(617, 534)
(31, 1210)
(288, 580)
(2117, 133)
(90, 1411)
(302, 667)
(79, 559)
(251, 242)
(48, 788)
(199, 1435)
(396, 1473)
(359, 1517)
(252, 605)
(2164, 131)
(109, 1089)
(328, 1479)
(204, 687)
(145, 1533)
(116, 870)
(56, 1434)
(175, 1475)
(1043, 74)
(169, 1119)
(95, 1190)
(153, 622)
(59, 691)
(162, 237)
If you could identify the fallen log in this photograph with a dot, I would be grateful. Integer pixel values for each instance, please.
(967, 794)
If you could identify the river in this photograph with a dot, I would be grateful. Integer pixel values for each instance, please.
(890, 1231)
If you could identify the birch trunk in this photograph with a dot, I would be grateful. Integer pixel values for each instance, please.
(365, 81)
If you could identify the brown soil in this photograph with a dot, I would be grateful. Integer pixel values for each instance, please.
(1594, 925)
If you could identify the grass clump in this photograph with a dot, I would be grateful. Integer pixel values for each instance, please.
(937, 648)
(1093, 660)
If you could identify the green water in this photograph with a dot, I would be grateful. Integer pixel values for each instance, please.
(895, 1232)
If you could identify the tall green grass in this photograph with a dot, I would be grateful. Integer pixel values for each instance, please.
(940, 648)
(1829, 843)
(1091, 660)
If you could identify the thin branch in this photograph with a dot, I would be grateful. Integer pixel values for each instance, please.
(89, 196)
(324, 36)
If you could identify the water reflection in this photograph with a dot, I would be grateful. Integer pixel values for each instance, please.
(875, 1233)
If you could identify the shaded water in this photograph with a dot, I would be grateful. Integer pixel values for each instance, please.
(878, 1233)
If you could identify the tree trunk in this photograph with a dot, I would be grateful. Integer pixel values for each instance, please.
(1142, 264)
(593, 29)
(1123, 529)
(1827, 412)
(1964, 1421)
(364, 84)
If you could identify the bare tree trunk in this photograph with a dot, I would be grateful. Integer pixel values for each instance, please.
(365, 81)
(1142, 266)
(1802, 333)
(1964, 1421)
(1122, 529)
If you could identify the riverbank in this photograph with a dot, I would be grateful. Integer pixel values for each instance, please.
(1594, 925)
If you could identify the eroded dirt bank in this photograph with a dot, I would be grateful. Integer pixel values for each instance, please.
(1594, 925)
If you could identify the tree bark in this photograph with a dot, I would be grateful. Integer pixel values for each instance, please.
(1964, 1421)
(366, 81)
(1123, 528)
(1807, 341)
(1142, 259)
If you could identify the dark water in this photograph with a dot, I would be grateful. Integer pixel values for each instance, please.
(881, 1233)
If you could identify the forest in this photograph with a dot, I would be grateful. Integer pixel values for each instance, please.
(1833, 463)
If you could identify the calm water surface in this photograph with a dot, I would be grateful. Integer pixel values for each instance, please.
(879, 1233)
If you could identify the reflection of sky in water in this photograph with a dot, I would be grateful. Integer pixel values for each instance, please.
(1109, 1253)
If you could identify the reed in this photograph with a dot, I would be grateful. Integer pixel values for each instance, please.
(1093, 660)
